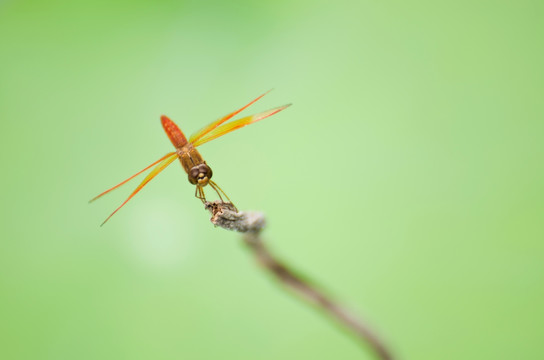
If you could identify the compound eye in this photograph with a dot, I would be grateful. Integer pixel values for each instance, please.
(195, 173)
(205, 170)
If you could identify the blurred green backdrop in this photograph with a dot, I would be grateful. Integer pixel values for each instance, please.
(407, 178)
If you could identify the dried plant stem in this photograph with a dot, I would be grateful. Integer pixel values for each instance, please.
(251, 224)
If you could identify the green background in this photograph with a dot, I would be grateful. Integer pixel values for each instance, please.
(406, 178)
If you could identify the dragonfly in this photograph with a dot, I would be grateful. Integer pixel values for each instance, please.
(199, 173)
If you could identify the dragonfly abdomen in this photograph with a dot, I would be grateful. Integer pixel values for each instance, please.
(174, 133)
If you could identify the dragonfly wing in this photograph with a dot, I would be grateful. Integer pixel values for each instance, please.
(160, 167)
(237, 124)
(130, 178)
(200, 133)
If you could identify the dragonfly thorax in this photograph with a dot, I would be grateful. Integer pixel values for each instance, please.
(200, 175)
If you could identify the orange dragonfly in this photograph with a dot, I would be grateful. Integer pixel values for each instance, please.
(198, 171)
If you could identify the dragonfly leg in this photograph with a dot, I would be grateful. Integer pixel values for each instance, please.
(220, 191)
(199, 194)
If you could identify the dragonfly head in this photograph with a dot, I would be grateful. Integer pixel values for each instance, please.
(200, 175)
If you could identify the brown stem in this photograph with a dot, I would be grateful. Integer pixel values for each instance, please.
(251, 224)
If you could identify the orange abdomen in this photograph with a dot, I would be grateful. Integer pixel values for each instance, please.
(174, 133)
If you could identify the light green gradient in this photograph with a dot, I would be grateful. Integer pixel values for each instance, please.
(407, 178)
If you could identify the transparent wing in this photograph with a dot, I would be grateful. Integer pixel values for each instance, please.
(132, 177)
(160, 167)
(200, 133)
(237, 124)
